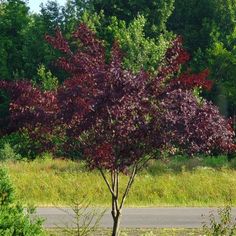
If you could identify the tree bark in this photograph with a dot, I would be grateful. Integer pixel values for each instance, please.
(116, 225)
(113, 186)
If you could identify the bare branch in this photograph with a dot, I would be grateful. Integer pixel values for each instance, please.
(113, 211)
(107, 183)
(129, 184)
(112, 181)
(141, 164)
(116, 190)
(117, 183)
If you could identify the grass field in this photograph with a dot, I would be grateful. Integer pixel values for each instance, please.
(139, 232)
(57, 182)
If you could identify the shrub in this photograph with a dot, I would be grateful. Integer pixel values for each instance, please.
(8, 153)
(216, 162)
(13, 220)
(6, 189)
(232, 163)
(30, 148)
(21, 143)
(225, 226)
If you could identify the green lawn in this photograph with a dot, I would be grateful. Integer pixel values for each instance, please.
(57, 182)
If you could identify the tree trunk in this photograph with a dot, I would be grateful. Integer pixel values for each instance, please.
(116, 225)
(113, 187)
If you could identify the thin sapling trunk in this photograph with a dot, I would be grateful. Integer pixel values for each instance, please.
(113, 187)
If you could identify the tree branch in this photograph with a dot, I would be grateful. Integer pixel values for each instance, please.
(117, 183)
(131, 179)
(114, 210)
(107, 183)
(116, 174)
(143, 164)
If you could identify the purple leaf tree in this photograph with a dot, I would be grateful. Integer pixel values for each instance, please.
(121, 119)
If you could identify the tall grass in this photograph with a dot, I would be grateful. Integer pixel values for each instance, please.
(56, 182)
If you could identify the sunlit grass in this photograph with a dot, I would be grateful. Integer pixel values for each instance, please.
(56, 182)
(138, 232)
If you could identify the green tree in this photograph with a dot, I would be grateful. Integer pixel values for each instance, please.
(156, 12)
(140, 51)
(222, 63)
(14, 20)
(22, 44)
(36, 51)
(46, 80)
(201, 22)
(209, 32)
(139, 26)
(51, 14)
(72, 14)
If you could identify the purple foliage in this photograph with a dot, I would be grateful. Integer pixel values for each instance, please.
(119, 116)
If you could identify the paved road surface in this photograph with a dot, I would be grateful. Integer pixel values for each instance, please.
(135, 217)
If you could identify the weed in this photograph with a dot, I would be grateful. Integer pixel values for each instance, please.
(225, 226)
(85, 219)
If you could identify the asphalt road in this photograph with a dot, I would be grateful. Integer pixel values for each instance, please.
(135, 217)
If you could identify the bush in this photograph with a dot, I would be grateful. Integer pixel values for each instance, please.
(13, 220)
(216, 162)
(6, 189)
(21, 143)
(8, 153)
(232, 163)
(179, 163)
(225, 226)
